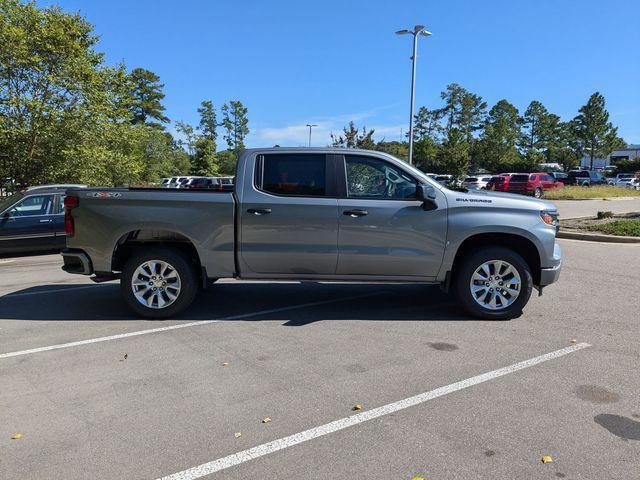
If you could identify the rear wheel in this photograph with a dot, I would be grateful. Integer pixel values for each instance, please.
(537, 192)
(159, 282)
(494, 283)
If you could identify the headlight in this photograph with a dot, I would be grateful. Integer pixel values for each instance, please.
(550, 217)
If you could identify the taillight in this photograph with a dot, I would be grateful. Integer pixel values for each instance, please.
(69, 204)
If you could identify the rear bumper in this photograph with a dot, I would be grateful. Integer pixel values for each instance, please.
(550, 275)
(76, 261)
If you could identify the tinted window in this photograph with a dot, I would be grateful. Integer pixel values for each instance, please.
(471, 179)
(374, 178)
(35, 205)
(294, 175)
(519, 178)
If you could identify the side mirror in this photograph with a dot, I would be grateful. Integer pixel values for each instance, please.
(427, 195)
(6, 215)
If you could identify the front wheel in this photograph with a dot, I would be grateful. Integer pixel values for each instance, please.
(158, 282)
(537, 193)
(494, 283)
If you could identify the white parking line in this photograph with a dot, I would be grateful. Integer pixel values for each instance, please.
(182, 325)
(286, 442)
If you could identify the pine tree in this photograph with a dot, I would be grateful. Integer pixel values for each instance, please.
(146, 97)
(235, 123)
(594, 132)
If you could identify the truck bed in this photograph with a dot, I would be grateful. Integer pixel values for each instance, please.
(106, 217)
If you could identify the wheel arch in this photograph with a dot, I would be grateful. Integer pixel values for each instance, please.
(139, 238)
(518, 243)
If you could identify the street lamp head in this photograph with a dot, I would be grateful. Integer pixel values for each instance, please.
(425, 33)
(311, 125)
(403, 32)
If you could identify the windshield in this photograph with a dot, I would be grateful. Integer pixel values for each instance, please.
(7, 202)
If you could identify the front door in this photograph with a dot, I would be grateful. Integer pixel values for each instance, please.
(383, 229)
(28, 225)
(288, 219)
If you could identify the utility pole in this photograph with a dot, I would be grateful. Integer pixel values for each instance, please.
(417, 30)
(310, 127)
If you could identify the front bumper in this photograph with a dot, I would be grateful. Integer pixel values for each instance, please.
(76, 261)
(551, 274)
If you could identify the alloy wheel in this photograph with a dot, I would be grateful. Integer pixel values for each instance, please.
(495, 284)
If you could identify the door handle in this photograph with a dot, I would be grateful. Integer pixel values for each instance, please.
(46, 220)
(259, 211)
(355, 213)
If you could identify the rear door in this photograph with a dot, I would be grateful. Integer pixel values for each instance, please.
(384, 230)
(288, 218)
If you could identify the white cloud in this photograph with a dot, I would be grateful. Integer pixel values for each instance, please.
(295, 135)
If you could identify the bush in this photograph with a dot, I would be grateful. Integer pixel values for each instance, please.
(606, 214)
(627, 228)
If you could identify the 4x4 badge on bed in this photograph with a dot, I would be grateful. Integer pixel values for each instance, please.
(104, 194)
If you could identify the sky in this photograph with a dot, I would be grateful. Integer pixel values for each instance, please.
(328, 62)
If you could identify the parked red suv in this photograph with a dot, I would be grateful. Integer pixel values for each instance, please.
(499, 183)
(532, 183)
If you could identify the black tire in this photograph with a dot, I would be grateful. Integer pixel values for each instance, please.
(464, 273)
(182, 265)
(537, 193)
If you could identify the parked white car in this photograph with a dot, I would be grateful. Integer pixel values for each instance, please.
(632, 183)
(478, 182)
(618, 178)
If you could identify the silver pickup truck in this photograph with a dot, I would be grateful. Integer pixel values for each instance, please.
(314, 214)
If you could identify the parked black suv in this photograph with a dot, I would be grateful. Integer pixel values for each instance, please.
(33, 220)
(585, 178)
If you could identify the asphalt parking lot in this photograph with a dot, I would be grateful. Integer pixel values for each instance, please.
(97, 393)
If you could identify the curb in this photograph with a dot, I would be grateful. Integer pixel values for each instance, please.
(595, 237)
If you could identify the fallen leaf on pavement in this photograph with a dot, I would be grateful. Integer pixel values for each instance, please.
(357, 406)
(266, 420)
(224, 364)
(417, 478)
(573, 340)
(546, 459)
(125, 356)
(238, 434)
(16, 436)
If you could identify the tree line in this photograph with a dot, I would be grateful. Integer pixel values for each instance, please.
(66, 116)
(463, 135)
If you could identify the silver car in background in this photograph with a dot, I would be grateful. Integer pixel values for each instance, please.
(478, 182)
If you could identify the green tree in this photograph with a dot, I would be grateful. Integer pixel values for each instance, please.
(427, 123)
(397, 149)
(463, 110)
(208, 121)
(49, 77)
(227, 161)
(453, 155)
(204, 158)
(235, 123)
(498, 144)
(352, 137)
(595, 134)
(147, 96)
(189, 136)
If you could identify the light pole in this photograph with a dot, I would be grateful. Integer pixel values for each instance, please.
(310, 127)
(417, 30)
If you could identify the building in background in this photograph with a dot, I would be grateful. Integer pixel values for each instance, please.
(632, 152)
